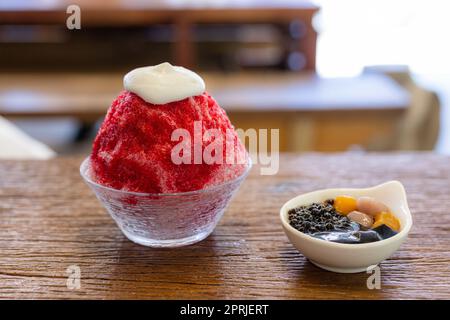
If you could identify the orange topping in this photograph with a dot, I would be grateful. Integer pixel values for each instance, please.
(344, 204)
(388, 219)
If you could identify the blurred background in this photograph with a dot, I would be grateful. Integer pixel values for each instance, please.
(332, 75)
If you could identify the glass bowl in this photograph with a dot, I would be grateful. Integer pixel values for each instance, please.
(165, 219)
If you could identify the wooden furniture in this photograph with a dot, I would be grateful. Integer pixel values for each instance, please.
(184, 16)
(51, 220)
(312, 113)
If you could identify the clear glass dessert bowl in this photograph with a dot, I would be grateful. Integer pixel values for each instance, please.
(165, 219)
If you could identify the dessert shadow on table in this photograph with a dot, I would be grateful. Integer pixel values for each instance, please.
(182, 264)
(303, 275)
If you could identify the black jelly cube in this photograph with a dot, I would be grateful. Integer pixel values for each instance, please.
(384, 231)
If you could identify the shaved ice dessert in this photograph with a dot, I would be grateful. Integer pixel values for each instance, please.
(133, 148)
(166, 161)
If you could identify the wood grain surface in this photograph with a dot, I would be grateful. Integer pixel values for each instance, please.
(51, 220)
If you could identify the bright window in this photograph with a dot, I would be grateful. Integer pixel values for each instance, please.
(356, 33)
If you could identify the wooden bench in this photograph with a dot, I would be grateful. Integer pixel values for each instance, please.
(312, 113)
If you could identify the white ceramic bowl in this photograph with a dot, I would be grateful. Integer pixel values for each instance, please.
(350, 258)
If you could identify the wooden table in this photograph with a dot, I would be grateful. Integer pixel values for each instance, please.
(183, 15)
(329, 114)
(51, 220)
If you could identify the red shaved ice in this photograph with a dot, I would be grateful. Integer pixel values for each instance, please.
(132, 150)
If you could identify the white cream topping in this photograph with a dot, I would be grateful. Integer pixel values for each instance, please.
(163, 83)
